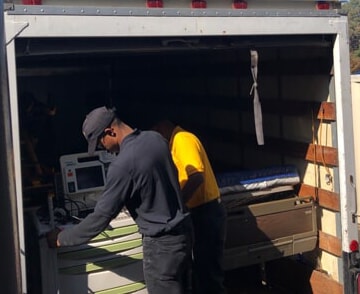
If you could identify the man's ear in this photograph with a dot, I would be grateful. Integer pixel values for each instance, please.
(110, 132)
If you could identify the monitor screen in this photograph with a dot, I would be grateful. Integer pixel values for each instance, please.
(89, 177)
(82, 173)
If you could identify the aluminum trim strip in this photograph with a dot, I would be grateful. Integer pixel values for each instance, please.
(183, 12)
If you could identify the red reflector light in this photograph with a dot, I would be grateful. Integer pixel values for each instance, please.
(239, 4)
(354, 246)
(154, 3)
(322, 5)
(198, 4)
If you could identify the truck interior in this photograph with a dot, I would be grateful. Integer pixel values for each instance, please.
(206, 85)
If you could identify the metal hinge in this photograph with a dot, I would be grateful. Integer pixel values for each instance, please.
(9, 5)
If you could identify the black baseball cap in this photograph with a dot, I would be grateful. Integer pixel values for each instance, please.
(95, 123)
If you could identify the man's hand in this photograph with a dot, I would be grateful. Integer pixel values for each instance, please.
(51, 237)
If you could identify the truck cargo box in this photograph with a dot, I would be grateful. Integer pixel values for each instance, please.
(265, 85)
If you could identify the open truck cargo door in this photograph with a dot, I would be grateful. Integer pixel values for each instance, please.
(194, 65)
(13, 268)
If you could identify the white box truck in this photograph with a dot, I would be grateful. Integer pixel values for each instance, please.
(264, 84)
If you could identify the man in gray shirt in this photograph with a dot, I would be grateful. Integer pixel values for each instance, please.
(143, 178)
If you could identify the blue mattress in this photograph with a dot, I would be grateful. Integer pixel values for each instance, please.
(247, 180)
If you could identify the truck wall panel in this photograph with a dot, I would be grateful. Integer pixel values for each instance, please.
(330, 244)
(327, 282)
(326, 199)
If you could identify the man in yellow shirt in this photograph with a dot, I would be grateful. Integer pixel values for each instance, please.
(201, 195)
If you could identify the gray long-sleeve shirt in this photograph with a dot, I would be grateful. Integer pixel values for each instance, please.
(144, 179)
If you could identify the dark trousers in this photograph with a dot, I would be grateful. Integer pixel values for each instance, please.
(167, 262)
(209, 222)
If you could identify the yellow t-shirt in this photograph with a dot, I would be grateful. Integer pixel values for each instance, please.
(190, 157)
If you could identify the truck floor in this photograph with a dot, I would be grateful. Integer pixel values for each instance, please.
(248, 281)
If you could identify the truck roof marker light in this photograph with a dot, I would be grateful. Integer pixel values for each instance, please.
(322, 5)
(354, 246)
(31, 2)
(239, 4)
(198, 4)
(154, 3)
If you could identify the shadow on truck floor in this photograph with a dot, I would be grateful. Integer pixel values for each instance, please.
(289, 275)
(248, 280)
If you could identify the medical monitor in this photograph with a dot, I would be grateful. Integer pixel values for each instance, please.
(82, 173)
